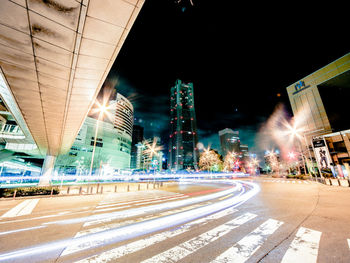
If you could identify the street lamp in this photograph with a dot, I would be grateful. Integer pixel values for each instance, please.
(294, 131)
(102, 109)
(152, 150)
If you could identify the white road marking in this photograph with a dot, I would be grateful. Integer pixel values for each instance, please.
(111, 208)
(349, 243)
(160, 199)
(20, 230)
(111, 218)
(132, 247)
(247, 246)
(112, 201)
(179, 252)
(24, 208)
(304, 247)
(75, 248)
(138, 203)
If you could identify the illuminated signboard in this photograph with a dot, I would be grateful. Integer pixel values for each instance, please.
(300, 86)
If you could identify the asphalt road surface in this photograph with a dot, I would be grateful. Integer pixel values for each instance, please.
(257, 220)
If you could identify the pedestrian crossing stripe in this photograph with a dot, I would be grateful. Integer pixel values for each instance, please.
(304, 247)
(114, 254)
(178, 252)
(247, 246)
(24, 208)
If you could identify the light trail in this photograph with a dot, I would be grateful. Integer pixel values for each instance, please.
(148, 209)
(141, 228)
(56, 180)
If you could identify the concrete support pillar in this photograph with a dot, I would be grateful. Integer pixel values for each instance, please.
(47, 169)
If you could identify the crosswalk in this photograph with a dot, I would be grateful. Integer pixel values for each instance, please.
(286, 181)
(302, 244)
(24, 208)
(301, 247)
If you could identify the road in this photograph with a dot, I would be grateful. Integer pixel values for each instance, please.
(252, 220)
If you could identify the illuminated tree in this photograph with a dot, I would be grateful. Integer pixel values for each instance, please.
(209, 160)
(231, 162)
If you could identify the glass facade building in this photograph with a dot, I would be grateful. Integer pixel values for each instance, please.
(229, 141)
(183, 152)
(113, 142)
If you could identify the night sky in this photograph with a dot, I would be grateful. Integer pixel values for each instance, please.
(240, 58)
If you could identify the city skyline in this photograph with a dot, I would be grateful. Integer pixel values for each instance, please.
(174, 131)
(234, 83)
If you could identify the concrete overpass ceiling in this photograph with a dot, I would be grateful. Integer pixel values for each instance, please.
(55, 55)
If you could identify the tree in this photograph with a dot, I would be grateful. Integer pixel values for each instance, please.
(231, 162)
(209, 160)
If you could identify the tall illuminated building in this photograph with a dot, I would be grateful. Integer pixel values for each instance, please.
(183, 152)
(229, 141)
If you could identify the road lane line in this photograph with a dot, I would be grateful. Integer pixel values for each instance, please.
(20, 230)
(349, 243)
(110, 209)
(248, 245)
(179, 252)
(24, 208)
(304, 247)
(135, 246)
(222, 198)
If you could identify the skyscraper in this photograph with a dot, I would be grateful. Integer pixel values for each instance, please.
(183, 152)
(229, 141)
(137, 138)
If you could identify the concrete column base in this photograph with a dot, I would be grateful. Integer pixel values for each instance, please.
(47, 169)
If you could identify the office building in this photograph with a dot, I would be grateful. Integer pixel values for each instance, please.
(123, 115)
(320, 102)
(244, 150)
(113, 142)
(147, 159)
(183, 152)
(137, 138)
(229, 141)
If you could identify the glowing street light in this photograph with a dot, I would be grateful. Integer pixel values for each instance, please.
(101, 109)
(291, 155)
(152, 149)
(296, 132)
